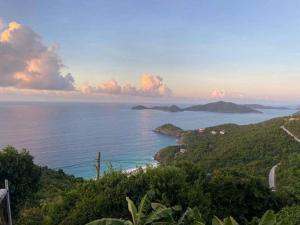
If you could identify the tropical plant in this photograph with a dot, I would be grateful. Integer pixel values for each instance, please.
(160, 214)
(163, 215)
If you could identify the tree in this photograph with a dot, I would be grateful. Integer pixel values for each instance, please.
(23, 175)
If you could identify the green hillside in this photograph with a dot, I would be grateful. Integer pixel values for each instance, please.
(252, 148)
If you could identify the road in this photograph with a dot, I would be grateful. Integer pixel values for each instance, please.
(290, 133)
(273, 170)
(272, 177)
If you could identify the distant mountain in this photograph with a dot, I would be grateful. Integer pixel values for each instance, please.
(139, 107)
(172, 108)
(257, 106)
(220, 107)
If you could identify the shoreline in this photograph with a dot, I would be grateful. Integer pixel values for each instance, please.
(144, 167)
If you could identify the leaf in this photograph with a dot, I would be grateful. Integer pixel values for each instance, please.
(109, 221)
(156, 206)
(230, 221)
(188, 212)
(217, 221)
(141, 209)
(268, 218)
(159, 214)
(132, 209)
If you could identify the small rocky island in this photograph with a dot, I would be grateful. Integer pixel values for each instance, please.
(218, 107)
(170, 130)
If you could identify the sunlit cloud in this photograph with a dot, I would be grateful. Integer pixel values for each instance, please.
(217, 94)
(150, 86)
(154, 86)
(27, 63)
(221, 94)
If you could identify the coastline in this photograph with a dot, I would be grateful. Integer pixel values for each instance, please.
(144, 167)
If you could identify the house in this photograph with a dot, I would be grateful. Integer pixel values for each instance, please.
(222, 132)
(213, 132)
(201, 130)
(182, 150)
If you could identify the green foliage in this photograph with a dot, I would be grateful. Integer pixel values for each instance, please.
(162, 215)
(222, 193)
(22, 174)
(293, 125)
(289, 215)
(167, 154)
(239, 195)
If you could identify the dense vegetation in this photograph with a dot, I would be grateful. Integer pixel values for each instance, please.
(23, 176)
(220, 174)
(251, 148)
(293, 125)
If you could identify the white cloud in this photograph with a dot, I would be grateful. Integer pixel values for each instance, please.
(27, 63)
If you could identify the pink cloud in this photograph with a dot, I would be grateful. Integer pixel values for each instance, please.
(27, 63)
(150, 86)
(217, 94)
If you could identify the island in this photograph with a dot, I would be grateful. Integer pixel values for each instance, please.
(218, 107)
(257, 106)
(170, 130)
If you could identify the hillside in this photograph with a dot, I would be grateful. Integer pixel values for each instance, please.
(253, 149)
(218, 107)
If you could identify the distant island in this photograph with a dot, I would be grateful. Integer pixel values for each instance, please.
(257, 106)
(218, 107)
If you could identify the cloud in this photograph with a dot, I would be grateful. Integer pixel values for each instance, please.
(109, 87)
(217, 94)
(150, 86)
(27, 63)
(220, 94)
(2, 24)
(153, 86)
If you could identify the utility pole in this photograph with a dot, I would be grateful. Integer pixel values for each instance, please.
(8, 203)
(98, 164)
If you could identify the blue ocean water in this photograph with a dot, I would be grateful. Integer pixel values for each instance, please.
(69, 135)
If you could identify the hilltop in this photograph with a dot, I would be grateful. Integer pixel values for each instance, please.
(218, 107)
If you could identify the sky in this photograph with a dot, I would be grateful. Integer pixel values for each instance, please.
(158, 50)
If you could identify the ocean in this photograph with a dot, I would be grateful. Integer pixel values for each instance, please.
(69, 135)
